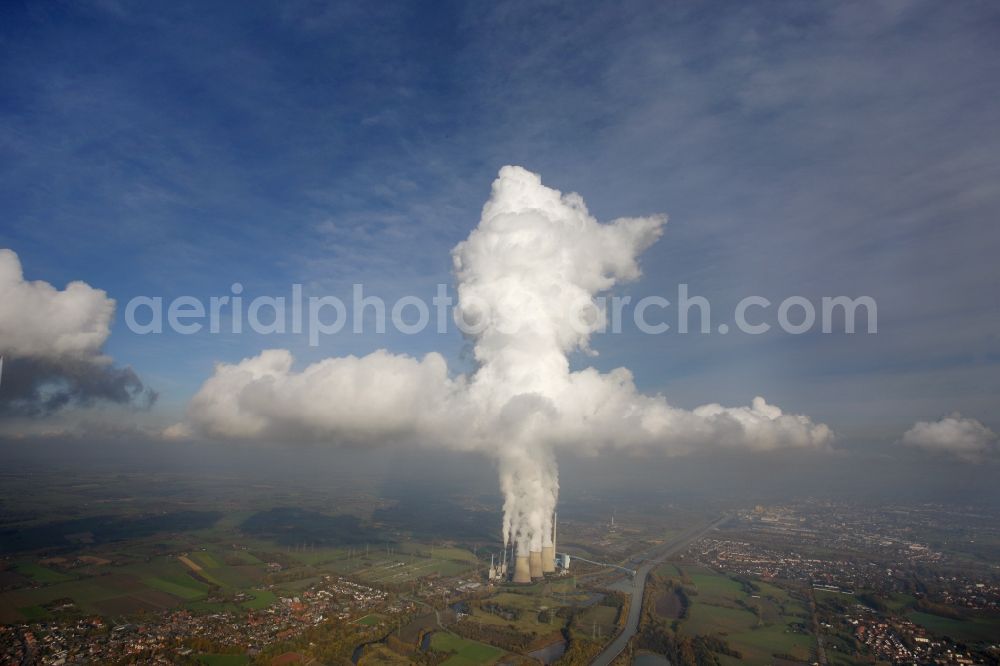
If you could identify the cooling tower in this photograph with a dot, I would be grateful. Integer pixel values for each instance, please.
(548, 559)
(522, 569)
(535, 562)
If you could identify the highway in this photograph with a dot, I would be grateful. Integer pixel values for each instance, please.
(652, 558)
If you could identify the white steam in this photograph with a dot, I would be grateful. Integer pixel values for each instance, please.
(527, 279)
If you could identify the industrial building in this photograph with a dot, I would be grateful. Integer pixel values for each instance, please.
(532, 566)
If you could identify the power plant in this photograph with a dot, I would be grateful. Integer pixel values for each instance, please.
(529, 564)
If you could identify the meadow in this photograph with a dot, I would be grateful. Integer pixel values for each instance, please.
(759, 622)
(224, 659)
(971, 630)
(40, 574)
(466, 652)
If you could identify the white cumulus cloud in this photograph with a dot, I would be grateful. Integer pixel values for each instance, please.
(956, 435)
(51, 341)
(378, 396)
(38, 320)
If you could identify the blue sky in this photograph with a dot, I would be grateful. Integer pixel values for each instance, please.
(819, 149)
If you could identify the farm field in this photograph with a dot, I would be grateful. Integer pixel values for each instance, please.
(380, 655)
(401, 569)
(467, 653)
(223, 659)
(759, 622)
(369, 620)
(971, 630)
(668, 569)
(597, 620)
(40, 573)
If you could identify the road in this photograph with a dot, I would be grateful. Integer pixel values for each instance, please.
(820, 648)
(652, 559)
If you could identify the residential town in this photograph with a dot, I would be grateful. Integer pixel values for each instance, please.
(878, 583)
(174, 635)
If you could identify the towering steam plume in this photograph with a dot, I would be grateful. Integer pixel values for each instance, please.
(527, 279)
(528, 274)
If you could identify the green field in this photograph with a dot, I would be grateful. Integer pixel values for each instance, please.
(223, 659)
(292, 587)
(32, 613)
(84, 593)
(757, 645)
(530, 602)
(973, 630)
(466, 652)
(758, 624)
(213, 607)
(450, 553)
(182, 586)
(320, 556)
(380, 655)
(243, 556)
(712, 586)
(262, 599)
(601, 618)
(706, 619)
(897, 603)
(778, 594)
(402, 568)
(40, 573)
(227, 577)
(205, 559)
(668, 569)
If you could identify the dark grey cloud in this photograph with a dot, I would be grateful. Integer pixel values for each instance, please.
(35, 387)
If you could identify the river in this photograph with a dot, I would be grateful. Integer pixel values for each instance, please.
(652, 559)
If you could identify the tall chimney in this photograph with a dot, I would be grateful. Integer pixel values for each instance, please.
(522, 569)
(549, 552)
(535, 563)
